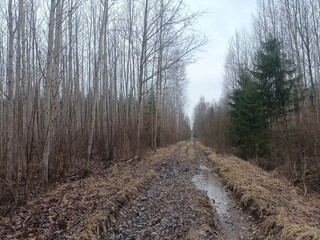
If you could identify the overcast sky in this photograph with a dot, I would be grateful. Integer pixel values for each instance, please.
(219, 24)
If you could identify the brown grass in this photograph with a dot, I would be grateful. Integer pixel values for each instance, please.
(201, 233)
(283, 211)
(89, 205)
(207, 228)
(130, 180)
(101, 219)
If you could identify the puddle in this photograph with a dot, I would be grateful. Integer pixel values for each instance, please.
(233, 224)
(210, 183)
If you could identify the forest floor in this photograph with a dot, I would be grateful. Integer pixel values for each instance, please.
(184, 191)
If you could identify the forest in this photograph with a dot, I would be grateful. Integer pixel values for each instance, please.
(270, 109)
(95, 142)
(82, 80)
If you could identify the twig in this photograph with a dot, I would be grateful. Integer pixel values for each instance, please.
(130, 160)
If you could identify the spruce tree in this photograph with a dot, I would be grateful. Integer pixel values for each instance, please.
(248, 131)
(264, 95)
(274, 74)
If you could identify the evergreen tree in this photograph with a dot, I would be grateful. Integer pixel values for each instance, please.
(248, 118)
(274, 74)
(264, 94)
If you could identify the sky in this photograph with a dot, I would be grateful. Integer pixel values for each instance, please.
(219, 23)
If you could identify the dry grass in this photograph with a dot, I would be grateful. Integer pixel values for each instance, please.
(183, 150)
(284, 213)
(87, 206)
(192, 155)
(129, 181)
(186, 151)
(101, 219)
(201, 233)
(208, 229)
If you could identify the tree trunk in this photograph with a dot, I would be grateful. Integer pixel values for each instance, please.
(10, 97)
(96, 84)
(48, 95)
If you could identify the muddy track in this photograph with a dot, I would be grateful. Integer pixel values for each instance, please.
(171, 208)
(171, 194)
(177, 204)
(234, 222)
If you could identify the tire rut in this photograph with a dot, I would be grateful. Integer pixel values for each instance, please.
(171, 208)
(234, 222)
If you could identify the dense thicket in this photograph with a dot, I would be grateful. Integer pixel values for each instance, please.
(83, 78)
(272, 82)
(212, 125)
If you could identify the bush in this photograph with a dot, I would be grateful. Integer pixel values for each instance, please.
(295, 149)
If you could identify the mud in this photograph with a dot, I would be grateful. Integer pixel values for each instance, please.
(171, 208)
(186, 200)
(234, 222)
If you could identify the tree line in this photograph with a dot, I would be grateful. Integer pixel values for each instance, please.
(269, 112)
(83, 79)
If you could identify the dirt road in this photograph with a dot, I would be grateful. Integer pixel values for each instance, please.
(185, 200)
(174, 193)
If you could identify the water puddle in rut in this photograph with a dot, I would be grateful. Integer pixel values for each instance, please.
(234, 223)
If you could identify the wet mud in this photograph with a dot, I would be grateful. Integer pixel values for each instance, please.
(234, 222)
(186, 200)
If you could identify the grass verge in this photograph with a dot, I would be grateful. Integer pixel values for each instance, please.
(283, 211)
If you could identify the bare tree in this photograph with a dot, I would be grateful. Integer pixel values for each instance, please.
(97, 67)
(10, 96)
(78, 77)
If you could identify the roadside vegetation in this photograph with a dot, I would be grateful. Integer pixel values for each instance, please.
(269, 113)
(280, 208)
